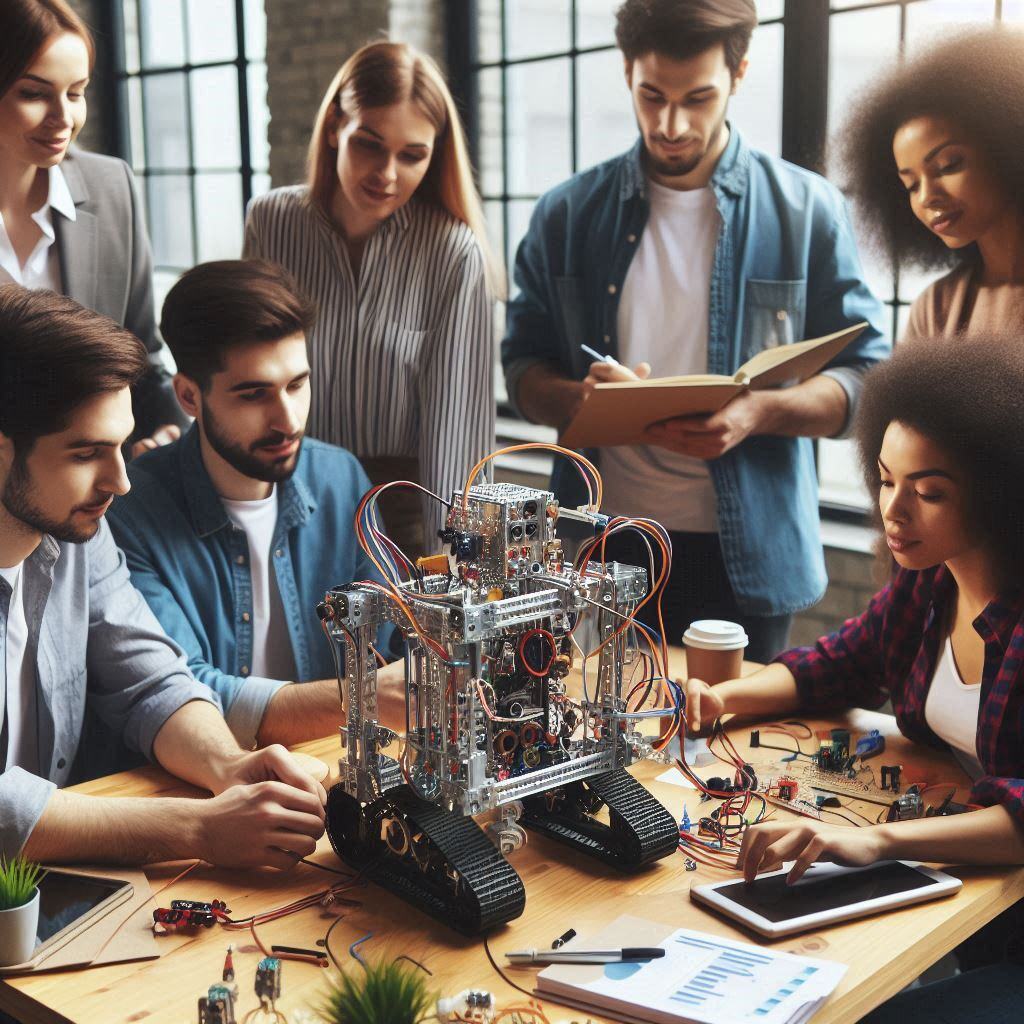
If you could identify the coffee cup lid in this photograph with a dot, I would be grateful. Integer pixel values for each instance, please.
(715, 635)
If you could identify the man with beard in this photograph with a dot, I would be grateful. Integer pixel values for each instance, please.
(75, 633)
(236, 531)
(689, 254)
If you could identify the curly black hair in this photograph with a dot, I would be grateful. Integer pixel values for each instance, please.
(976, 81)
(683, 29)
(964, 395)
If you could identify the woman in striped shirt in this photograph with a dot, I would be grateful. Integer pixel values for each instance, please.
(388, 239)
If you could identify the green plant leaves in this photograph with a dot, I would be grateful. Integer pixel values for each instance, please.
(392, 992)
(18, 880)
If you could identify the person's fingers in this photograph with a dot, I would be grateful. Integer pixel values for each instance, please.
(290, 797)
(693, 688)
(272, 857)
(297, 822)
(642, 370)
(755, 841)
(290, 842)
(807, 857)
(281, 763)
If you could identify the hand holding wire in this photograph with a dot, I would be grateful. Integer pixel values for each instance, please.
(703, 703)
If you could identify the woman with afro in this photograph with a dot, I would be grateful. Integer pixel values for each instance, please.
(940, 429)
(934, 164)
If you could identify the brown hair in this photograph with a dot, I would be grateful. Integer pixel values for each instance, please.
(681, 29)
(976, 82)
(382, 74)
(26, 25)
(216, 306)
(55, 354)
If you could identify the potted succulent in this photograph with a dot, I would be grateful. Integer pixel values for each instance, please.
(19, 909)
(392, 992)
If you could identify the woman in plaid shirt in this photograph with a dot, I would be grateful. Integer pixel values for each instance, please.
(941, 435)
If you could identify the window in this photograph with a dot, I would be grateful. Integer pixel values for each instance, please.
(193, 88)
(552, 101)
(865, 39)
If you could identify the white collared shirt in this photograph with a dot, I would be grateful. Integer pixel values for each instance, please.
(42, 268)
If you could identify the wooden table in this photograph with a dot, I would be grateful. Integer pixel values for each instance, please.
(564, 890)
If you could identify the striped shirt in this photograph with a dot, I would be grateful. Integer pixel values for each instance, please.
(402, 356)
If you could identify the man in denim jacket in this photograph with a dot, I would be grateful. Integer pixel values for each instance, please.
(689, 254)
(75, 633)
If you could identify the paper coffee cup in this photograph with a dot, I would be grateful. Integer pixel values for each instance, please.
(714, 650)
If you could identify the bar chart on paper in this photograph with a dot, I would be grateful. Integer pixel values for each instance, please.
(702, 979)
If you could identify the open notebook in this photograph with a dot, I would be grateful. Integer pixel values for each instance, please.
(702, 979)
(619, 413)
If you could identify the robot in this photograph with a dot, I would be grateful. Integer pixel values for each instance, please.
(490, 635)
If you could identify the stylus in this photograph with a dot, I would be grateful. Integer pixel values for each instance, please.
(597, 357)
(630, 954)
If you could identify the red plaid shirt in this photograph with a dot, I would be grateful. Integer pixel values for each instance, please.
(891, 650)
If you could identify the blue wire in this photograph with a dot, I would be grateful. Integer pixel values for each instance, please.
(354, 952)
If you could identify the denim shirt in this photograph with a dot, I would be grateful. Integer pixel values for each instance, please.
(91, 638)
(192, 565)
(785, 268)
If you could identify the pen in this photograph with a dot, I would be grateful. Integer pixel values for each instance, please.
(585, 956)
(597, 357)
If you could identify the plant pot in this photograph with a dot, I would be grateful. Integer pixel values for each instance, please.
(18, 932)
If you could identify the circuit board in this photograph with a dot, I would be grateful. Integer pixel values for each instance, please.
(810, 776)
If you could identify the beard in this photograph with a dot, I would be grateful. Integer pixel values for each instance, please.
(681, 166)
(243, 458)
(18, 499)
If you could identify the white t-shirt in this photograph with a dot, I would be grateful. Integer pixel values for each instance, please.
(20, 696)
(272, 656)
(951, 711)
(663, 320)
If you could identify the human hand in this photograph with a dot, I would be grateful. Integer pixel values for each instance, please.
(263, 824)
(273, 763)
(767, 845)
(162, 435)
(708, 437)
(611, 373)
(703, 703)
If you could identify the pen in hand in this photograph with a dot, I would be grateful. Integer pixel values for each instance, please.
(597, 357)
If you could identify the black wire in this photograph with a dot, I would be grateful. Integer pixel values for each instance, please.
(840, 814)
(327, 940)
(787, 750)
(324, 867)
(405, 956)
(501, 974)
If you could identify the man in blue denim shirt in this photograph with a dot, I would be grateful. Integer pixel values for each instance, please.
(689, 254)
(74, 633)
(235, 532)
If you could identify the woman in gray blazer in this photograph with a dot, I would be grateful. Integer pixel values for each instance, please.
(71, 220)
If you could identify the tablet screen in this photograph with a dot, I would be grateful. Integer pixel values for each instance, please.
(64, 898)
(774, 900)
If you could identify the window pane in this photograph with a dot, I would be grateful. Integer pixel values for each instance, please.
(259, 117)
(260, 184)
(215, 129)
(489, 85)
(165, 108)
(770, 9)
(255, 29)
(130, 18)
(839, 474)
(756, 109)
(862, 46)
(539, 143)
(595, 23)
(170, 219)
(211, 31)
(219, 216)
(605, 116)
(133, 92)
(913, 281)
(536, 26)
(488, 30)
(929, 21)
(1013, 10)
(163, 33)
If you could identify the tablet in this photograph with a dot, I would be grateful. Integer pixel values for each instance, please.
(67, 901)
(827, 893)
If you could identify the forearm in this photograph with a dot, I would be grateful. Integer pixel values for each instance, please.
(988, 836)
(547, 396)
(74, 827)
(815, 408)
(307, 711)
(770, 691)
(196, 744)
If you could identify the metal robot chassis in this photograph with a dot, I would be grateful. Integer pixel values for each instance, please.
(489, 641)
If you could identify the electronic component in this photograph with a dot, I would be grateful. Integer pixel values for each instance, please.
(489, 642)
(870, 744)
(907, 807)
(470, 1004)
(217, 1006)
(268, 979)
(787, 788)
(891, 776)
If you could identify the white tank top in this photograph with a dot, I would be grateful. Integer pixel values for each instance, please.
(951, 711)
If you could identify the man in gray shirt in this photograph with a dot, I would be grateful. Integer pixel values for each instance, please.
(73, 629)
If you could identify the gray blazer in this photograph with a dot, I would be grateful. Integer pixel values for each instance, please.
(106, 264)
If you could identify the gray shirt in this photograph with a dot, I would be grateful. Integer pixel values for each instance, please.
(91, 636)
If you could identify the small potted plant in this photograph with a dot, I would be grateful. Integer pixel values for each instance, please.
(392, 992)
(19, 909)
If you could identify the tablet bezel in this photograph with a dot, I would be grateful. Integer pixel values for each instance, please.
(123, 892)
(708, 894)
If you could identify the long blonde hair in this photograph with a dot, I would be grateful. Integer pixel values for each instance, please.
(382, 74)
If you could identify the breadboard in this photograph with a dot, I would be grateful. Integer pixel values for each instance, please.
(810, 776)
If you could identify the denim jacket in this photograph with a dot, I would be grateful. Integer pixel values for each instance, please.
(93, 641)
(785, 268)
(192, 564)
